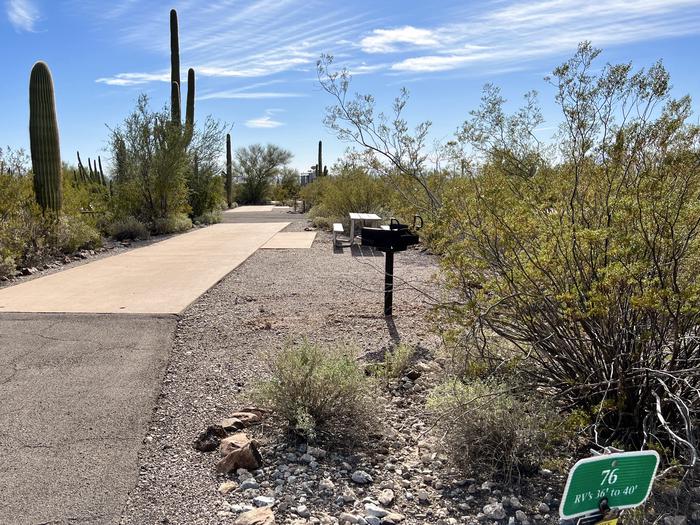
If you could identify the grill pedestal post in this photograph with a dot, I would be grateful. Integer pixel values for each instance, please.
(388, 282)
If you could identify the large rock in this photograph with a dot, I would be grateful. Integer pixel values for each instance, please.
(494, 511)
(209, 439)
(234, 442)
(243, 454)
(261, 516)
(386, 497)
(248, 418)
(361, 477)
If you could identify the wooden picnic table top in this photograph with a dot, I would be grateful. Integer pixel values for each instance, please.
(364, 216)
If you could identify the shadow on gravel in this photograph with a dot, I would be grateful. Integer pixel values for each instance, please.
(364, 251)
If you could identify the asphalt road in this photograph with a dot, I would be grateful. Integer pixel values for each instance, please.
(76, 395)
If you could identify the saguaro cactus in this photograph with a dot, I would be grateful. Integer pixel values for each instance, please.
(189, 110)
(229, 174)
(175, 103)
(43, 139)
(189, 113)
(319, 166)
(174, 62)
(175, 82)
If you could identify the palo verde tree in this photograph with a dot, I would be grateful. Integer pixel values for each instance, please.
(389, 146)
(258, 165)
(586, 257)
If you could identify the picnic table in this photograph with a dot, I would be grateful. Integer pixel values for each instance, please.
(364, 217)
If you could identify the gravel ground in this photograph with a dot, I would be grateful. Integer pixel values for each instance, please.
(221, 344)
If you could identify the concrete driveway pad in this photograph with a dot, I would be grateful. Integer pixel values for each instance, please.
(291, 240)
(164, 277)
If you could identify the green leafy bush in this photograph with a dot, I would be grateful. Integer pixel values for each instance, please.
(150, 181)
(175, 223)
(486, 429)
(397, 362)
(209, 217)
(73, 234)
(322, 393)
(586, 261)
(128, 228)
(352, 190)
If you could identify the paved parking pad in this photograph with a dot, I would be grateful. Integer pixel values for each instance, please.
(77, 393)
(291, 240)
(164, 277)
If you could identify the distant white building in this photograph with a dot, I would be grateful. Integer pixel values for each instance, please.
(309, 176)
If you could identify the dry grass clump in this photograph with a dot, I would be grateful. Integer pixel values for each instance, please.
(486, 429)
(323, 393)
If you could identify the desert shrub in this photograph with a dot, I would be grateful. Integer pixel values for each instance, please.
(258, 166)
(209, 217)
(73, 234)
(128, 228)
(175, 223)
(26, 236)
(586, 261)
(152, 165)
(486, 429)
(323, 223)
(287, 186)
(312, 192)
(397, 362)
(322, 392)
(205, 184)
(352, 190)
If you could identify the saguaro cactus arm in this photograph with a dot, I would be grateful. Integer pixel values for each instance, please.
(229, 174)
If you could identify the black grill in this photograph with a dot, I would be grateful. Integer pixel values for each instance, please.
(396, 239)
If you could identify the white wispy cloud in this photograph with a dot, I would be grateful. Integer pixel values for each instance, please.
(134, 79)
(526, 31)
(22, 14)
(391, 40)
(230, 39)
(266, 121)
(233, 94)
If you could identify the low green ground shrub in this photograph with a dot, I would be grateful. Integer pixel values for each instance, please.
(128, 228)
(323, 393)
(396, 362)
(323, 223)
(73, 234)
(176, 223)
(209, 217)
(488, 430)
(352, 190)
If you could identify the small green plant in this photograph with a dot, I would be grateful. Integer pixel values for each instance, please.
(488, 430)
(322, 393)
(176, 223)
(396, 362)
(209, 217)
(73, 234)
(128, 228)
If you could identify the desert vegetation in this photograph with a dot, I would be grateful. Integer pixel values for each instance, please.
(569, 266)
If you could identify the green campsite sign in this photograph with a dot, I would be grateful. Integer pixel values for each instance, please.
(624, 478)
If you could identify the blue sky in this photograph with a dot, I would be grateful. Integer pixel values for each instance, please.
(255, 59)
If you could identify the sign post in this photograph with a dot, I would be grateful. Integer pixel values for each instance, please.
(615, 481)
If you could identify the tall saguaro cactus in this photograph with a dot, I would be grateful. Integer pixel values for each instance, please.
(319, 166)
(175, 82)
(43, 139)
(174, 58)
(229, 174)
